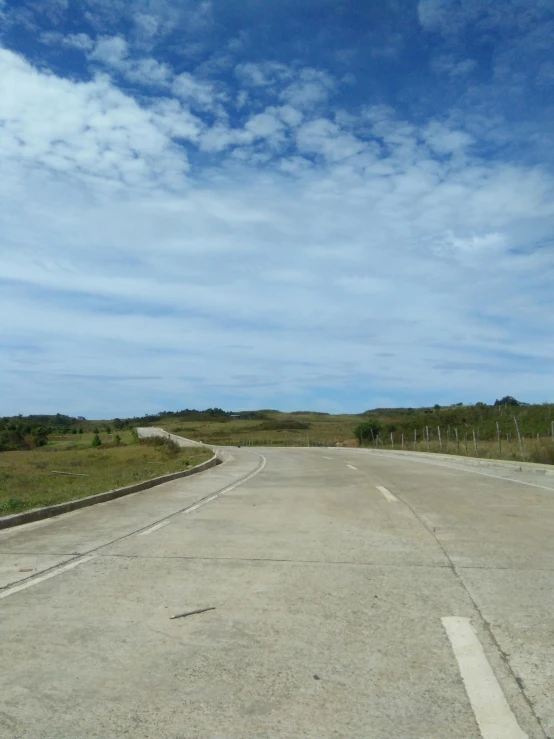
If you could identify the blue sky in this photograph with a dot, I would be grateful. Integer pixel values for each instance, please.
(310, 204)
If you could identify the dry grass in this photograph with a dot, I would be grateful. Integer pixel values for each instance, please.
(322, 430)
(339, 430)
(27, 479)
(540, 452)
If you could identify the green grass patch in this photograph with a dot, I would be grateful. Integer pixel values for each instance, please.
(28, 479)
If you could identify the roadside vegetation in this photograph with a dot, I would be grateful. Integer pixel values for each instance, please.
(33, 479)
(105, 454)
(479, 430)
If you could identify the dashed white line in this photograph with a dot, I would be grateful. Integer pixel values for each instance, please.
(351, 466)
(387, 493)
(493, 714)
(327, 457)
(41, 578)
(154, 528)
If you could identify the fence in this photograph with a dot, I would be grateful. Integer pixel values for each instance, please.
(507, 443)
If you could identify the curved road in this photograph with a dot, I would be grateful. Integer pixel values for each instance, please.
(355, 594)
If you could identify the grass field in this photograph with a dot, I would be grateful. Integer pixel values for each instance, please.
(320, 430)
(538, 451)
(28, 479)
(328, 430)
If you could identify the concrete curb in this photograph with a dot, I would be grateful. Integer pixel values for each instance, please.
(536, 468)
(37, 514)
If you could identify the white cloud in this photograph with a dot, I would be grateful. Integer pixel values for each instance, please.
(453, 67)
(290, 115)
(323, 137)
(80, 41)
(433, 14)
(311, 88)
(311, 244)
(198, 92)
(90, 129)
(110, 50)
(266, 126)
(263, 74)
(444, 140)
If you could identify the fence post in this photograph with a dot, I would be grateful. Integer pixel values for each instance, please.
(475, 443)
(499, 438)
(519, 439)
(427, 436)
(457, 440)
(391, 441)
(440, 438)
(415, 439)
(402, 440)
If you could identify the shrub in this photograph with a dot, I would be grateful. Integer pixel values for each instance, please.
(285, 425)
(117, 440)
(96, 441)
(367, 430)
(163, 442)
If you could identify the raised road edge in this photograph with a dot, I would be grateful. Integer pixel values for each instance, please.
(37, 514)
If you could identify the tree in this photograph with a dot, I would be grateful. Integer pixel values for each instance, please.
(96, 441)
(108, 429)
(507, 400)
(117, 439)
(367, 430)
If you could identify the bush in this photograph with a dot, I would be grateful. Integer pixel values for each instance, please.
(286, 425)
(117, 439)
(96, 441)
(367, 430)
(163, 442)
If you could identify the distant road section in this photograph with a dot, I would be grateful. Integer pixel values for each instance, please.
(147, 431)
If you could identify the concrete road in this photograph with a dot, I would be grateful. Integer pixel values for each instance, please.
(146, 431)
(355, 594)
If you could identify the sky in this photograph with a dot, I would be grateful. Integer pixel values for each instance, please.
(294, 204)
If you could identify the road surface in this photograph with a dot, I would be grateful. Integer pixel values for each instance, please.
(355, 595)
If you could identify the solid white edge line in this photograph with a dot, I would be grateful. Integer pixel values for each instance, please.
(462, 469)
(229, 487)
(41, 578)
(153, 528)
(494, 715)
(387, 493)
(351, 466)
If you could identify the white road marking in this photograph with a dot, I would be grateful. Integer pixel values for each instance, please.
(493, 714)
(462, 469)
(387, 493)
(41, 578)
(327, 457)
(154, 528)
(229, 487)
(351, 466)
